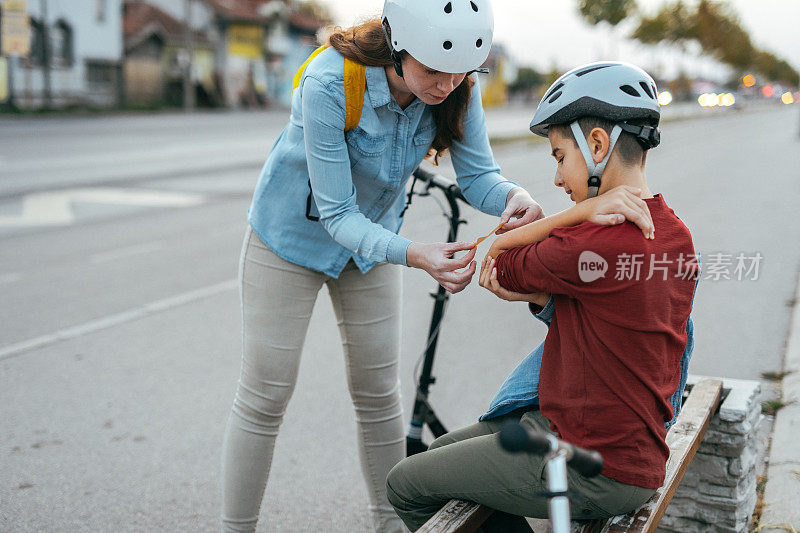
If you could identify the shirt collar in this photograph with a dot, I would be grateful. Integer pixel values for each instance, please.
(377, 86)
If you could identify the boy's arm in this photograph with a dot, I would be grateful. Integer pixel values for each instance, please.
(552, 265)
(539, 230)
(610, 208)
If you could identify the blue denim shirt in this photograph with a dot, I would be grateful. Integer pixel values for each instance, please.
(521, 387)
(358, 177)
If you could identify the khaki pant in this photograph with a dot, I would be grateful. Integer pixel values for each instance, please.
(277, 299)
(470, 464)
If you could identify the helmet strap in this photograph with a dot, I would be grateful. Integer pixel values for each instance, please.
(595, 169)
(398, 65)
(387, 32)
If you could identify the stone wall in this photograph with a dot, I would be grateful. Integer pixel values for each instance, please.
(718, 491)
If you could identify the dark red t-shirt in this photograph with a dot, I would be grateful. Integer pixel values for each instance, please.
(612, 354)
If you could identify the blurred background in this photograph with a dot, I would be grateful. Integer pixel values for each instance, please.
(156, 54)
(132, 135)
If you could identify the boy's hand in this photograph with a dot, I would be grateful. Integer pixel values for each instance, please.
(520, 205)
(493, 252)
(488, 280)
(619, 204)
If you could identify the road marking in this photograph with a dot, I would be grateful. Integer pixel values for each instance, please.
(13, 350)
(10, 278)
(127, 251)
(55, 208)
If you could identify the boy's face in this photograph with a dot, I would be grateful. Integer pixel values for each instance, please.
(571, 171)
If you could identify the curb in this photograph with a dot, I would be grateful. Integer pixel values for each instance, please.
(781, 505)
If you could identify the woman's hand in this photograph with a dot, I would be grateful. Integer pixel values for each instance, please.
(437, 260)
(617, 205)
(520, 205)
(488, 280)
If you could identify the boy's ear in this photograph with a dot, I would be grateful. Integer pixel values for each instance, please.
(598, 143)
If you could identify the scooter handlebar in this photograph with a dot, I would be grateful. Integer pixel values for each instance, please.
(515, 438)
(438, 181)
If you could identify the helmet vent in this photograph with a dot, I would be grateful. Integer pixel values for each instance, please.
(447, 45)
(448, 8)
(474, 6)
(588, 70)
(554, 89)
(646, 88)
(554, 97)
(630, 90)
(479, 43)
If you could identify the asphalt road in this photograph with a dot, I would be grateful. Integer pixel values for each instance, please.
(120, 328)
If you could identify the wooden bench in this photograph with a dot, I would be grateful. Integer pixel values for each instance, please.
(683, 439)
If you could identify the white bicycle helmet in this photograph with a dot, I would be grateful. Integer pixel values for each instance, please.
(452, 36)
(612, 90)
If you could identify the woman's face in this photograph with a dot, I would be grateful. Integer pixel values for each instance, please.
(430, 86)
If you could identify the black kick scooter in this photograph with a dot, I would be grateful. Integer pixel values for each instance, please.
(423, 413)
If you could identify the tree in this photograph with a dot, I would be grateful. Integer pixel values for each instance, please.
(716, 28)
(671, 24)
(610, 12)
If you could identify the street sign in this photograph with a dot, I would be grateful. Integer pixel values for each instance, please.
(15, 29)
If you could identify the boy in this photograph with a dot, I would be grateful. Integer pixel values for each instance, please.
(613, 352)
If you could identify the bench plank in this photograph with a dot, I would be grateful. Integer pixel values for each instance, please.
(458, 516)
(683, 439)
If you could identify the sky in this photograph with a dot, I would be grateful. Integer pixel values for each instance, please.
(544, 33)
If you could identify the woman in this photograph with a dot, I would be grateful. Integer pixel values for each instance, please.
(327, 209)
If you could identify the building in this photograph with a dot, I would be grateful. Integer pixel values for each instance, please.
(156, 59)
(75, 56)
(257, 45)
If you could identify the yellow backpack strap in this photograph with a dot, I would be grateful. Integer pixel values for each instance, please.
(299, 75)
(355, 83)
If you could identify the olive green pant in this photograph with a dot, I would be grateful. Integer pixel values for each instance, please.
(470, 464)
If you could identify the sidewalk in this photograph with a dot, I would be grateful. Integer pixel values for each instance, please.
(510, 122)
(781, 506)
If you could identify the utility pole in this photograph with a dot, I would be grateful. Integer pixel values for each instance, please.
(188, 44)
(45, 52)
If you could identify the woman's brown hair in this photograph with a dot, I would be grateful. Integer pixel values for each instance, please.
(366, 44)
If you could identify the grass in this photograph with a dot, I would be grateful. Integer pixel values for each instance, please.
(761, 483)
(770, 407)
(774, 376)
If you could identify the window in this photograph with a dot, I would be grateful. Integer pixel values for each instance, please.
(99, 72)
(38, 53)
(62, 44)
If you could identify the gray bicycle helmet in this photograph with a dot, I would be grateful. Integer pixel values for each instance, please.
(612, 90)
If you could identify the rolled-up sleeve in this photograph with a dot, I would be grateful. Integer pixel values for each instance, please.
(331, 180)
(476, 169)
(548, 266)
